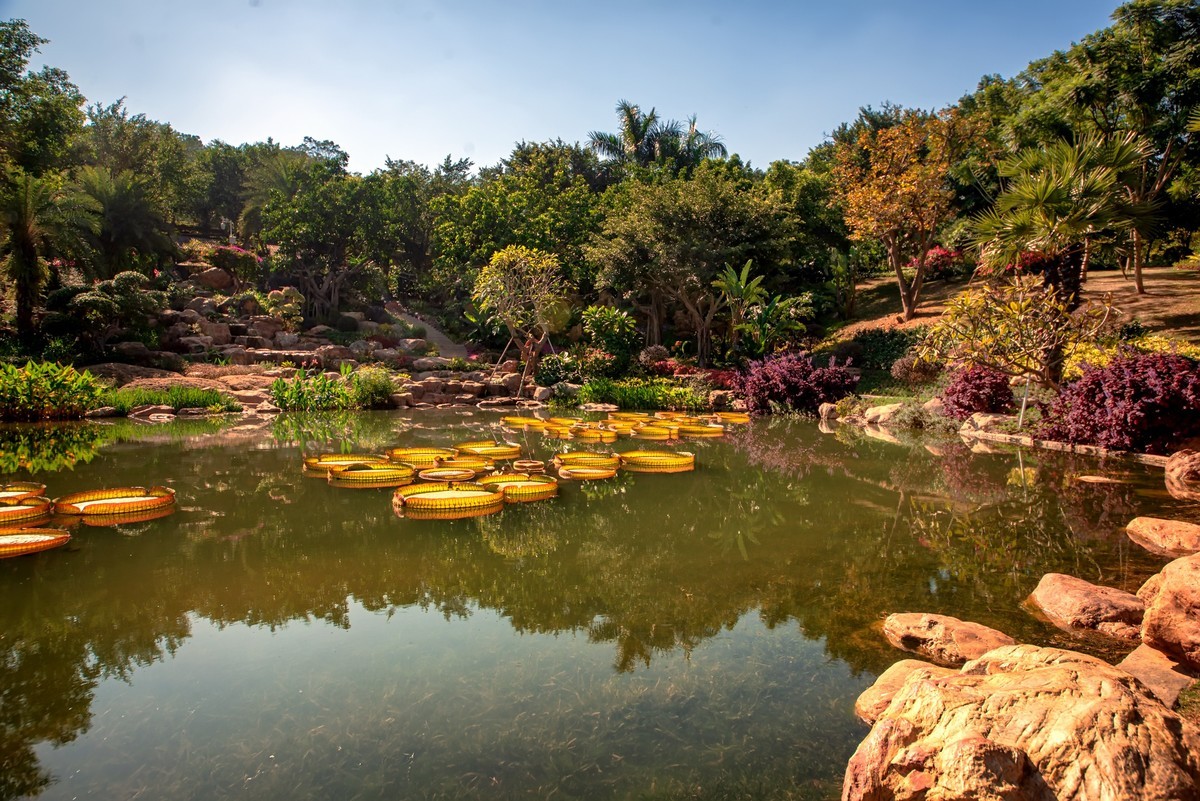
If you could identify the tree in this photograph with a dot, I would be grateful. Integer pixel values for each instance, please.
(40, 114)
(739, 292)
(644, 140)
(273, 173)
(521, 289)
(1060, 203)
(40, 218)
(131, 233)
(893, 184)
(668, 241)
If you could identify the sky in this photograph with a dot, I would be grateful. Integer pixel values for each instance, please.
(420, 80)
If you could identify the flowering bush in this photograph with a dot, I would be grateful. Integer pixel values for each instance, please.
(238, 262)
(977, 389)
(791, 382)
(596, 363)
(1147, 402)
(723, 379)
(943, 263)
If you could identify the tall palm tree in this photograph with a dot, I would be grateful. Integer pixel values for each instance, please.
(690, 146)
(1061, 202)
(132, 231)
(39, 218)
(637, 141)
(274, 172)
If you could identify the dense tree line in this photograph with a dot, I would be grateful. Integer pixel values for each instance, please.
(1088, 157)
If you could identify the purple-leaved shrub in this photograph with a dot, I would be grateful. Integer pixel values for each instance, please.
(791, 382)
(1144, 402)
(977, 389)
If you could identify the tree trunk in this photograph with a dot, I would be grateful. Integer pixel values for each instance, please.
(1137, 258)
(909, 293)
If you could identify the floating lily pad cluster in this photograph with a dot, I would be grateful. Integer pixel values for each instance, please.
(31, 522)
(480, 477)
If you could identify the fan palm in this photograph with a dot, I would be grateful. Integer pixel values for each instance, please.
(39, 219)
(1060, 202)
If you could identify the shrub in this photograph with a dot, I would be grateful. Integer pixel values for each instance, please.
(286, 304)
(881, 347)
(1146, 402)
(126, 399)
(943, 263)
(45, 391)
(310, 394)
(913, 370)
(643, 393)
(612, 331)
(977, 389)
(652, 355)
(371, 388)
(243, 265)
(347, 324)
(792, 382)
(556, 368)
(597, 363)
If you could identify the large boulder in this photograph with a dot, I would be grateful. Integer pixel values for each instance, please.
(1165, 537)
(204, 307)
(214, 278)
(1183, 475)
(1024, 723)
(1172, 619)
(881, 415)
(265, 326)
(1072, 603)
(217, 332)
(944, 639)
(875, 699)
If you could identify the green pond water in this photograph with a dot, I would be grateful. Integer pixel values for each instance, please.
(700, 635)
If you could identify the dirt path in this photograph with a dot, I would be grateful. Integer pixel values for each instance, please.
(1171, 304)
(445, 345)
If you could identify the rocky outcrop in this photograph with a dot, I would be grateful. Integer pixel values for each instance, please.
(1172, 619)
(881, 415)
(944, 639)
(1023, 723)
(1183, 475)
(875, 699)
(214, 278)
(1165, 537)
(1072, 604)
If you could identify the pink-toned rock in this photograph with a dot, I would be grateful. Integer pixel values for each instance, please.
(944, 639)
(1024, 723)
(1165, 537)
(1172, 619)
(149, 409)
(1165, 677)
(217, 332)
(1072, 603)
(875, 699)
(214, 278)
(1182, 474)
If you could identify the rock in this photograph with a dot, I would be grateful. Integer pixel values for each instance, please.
(194, 411)
(103, 411)
(720, 399)
(510, 366)
(511, 382)
(430, 363)
(934, 406)
(827, 411)
(882, 434)
(201, 306)
(983, 421)
(196, 344)
(135, 352)
(880, 415)
(389, 355)
(286, 339)
(1165, 537)
(214, 278)
(565, 389)
(217, 332)
(1162, 674)
(164, 417)
(599, 407)
(489, 403)
(944, 639)
(356, 316)
(1172, 619)
(1072, 603)
(266, 407)
(149, 409)
(190, 316)
(265, 326)
(121, 374)
(473, 388)
(1183, 475)
(1024, 723)
(402, 400)
(875, 699)
(542, 393)
(250, 397)
(367, 327)
(360, 348)
(319, 331)
(333, 355)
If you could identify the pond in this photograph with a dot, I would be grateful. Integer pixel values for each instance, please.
(697, 635)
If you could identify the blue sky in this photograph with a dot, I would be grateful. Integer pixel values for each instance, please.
(420, 79)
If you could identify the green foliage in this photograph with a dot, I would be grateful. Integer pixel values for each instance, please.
(521, 288)
(286, 304)
(306, 393)
(50, 448)
(643, 393)
(371, 388)
(45, 391)
(124, 302)
(244, 266)
(557, 368)
(775, 323)
(614, 331)
(125, 399)
(879, 348)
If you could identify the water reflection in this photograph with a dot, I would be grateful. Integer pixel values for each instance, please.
(781, 532)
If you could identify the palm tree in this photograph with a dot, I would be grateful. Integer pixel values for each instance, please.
(39, 219)
(637, 142)
(275, 172)
(1060, 203)
(131, 229)
(740, 292)
(687, 148)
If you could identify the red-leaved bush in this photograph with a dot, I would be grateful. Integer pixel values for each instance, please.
(791, 382)
(1145, 402)
(977, 389)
